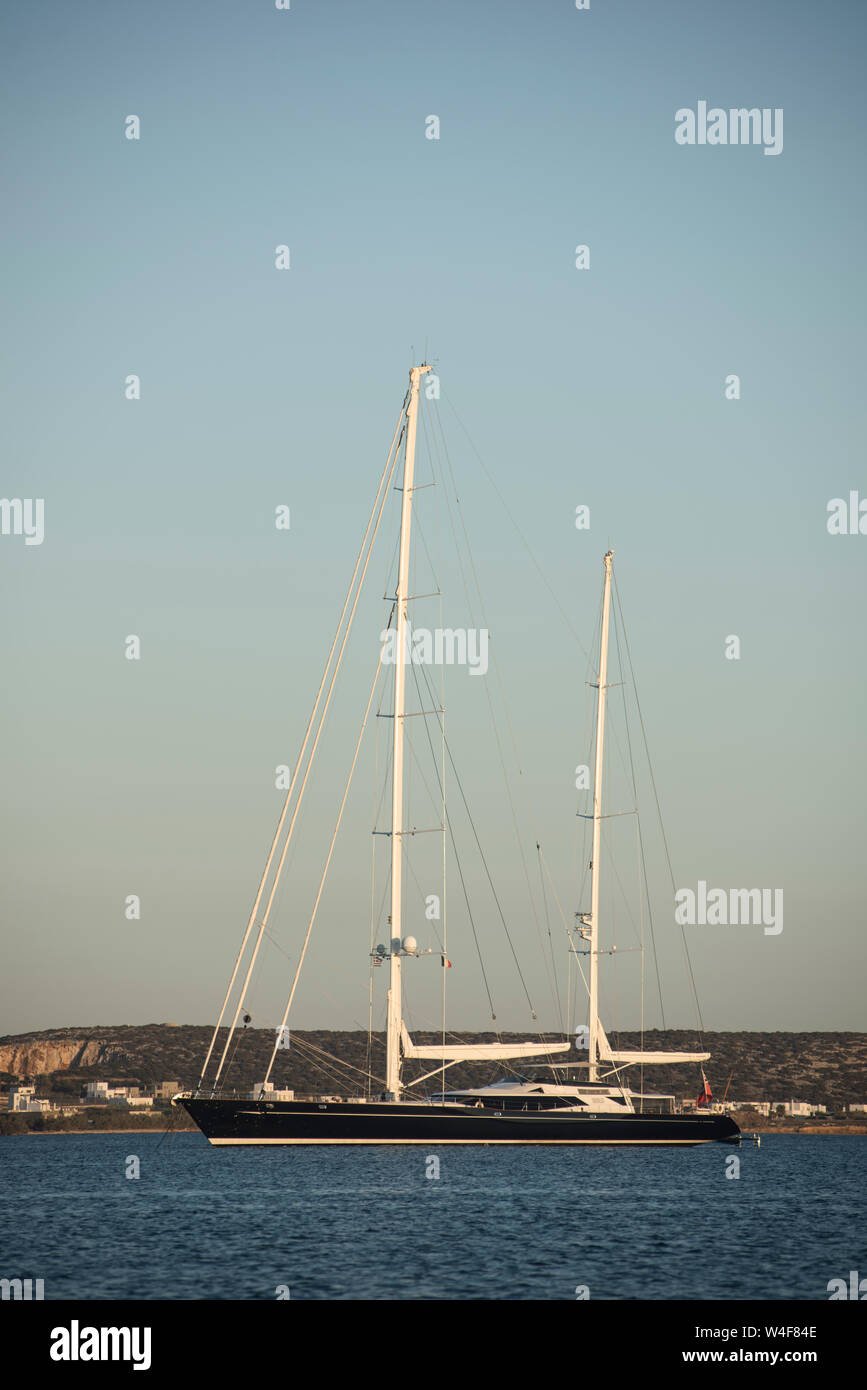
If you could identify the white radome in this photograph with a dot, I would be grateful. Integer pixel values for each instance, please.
(410, 944)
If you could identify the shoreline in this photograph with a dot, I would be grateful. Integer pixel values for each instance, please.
(835, 1130)
(152, 1129)
(816, 1129)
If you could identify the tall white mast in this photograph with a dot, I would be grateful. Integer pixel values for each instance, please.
(392, 1058)
(597, 825)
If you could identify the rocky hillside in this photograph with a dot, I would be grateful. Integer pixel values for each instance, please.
(829, 1068)
(41, 1054)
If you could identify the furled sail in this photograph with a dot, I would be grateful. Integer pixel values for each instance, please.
(478, 1052)
(607, 1054)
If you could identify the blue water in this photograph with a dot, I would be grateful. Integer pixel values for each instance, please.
(368, 1223)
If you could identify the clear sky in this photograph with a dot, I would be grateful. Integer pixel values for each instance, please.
(603, 386)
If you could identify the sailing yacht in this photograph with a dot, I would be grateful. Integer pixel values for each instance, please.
(540, 1104)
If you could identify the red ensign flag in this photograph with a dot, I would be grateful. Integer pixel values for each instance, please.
(704, 1096)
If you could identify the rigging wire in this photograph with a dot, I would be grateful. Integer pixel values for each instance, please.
(659, 811)
(617, 628)
(550, 937)
(387, 473)
(523, 538)
(522, 782)
(459, 864)
(327, 862)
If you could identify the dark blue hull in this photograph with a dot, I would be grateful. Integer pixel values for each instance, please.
(226, 1121)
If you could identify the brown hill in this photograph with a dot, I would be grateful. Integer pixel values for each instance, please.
(829, 1068)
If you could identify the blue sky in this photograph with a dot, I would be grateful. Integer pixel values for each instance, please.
(603, 387)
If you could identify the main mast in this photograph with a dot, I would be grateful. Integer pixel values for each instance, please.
(392, 1056)
(593, 1040)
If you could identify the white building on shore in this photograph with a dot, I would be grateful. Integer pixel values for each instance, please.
(263, 1091)
(129, 1097)
(798, 1107)
(762, 1107)
(770, 1107)
(164, 1090)
(24, 1099)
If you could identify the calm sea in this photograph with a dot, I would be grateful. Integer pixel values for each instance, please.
(536, 1223)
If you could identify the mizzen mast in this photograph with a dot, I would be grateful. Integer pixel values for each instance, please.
(593, 1040)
